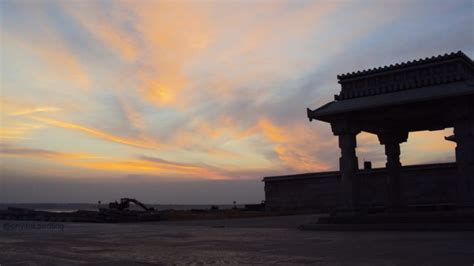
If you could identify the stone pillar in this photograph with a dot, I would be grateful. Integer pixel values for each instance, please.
(464, 136)
(392, 150)
(348, 165)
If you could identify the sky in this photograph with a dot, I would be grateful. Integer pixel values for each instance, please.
(196, 101)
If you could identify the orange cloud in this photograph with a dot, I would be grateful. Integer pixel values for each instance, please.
(174, 34)
(158, 167)
(163, 91)
(297, 145)
(15, 108)
(99, 134)
(273, 132)
(144, 164)
(421, 147)
(15, 122)
(19, 151)
(428, 146)
(300, 159)
(210, 137)
(35, 110)
(18, 130)
(224, 127)
(295, 26)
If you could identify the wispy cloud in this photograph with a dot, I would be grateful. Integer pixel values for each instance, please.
(108, 26)
(19, 151)
(35, 110)
(98, 133)
(299, 147)
(154, 166)
(18, 130)
(141, 164)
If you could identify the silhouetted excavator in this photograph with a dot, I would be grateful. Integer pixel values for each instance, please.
(117, 212)
(124, 204)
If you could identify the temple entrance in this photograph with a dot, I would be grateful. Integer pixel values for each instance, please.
(391, 102)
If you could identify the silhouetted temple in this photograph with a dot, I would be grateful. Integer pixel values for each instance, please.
(428, 94)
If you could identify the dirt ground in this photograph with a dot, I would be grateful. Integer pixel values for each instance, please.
(253, 241)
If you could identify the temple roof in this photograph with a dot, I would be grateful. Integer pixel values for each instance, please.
(391, 99)
(421, 61)
(434, 78)
(405, 76)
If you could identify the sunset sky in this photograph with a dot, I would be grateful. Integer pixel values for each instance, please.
(196, 101)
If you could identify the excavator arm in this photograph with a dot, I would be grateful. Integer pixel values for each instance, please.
(125, 204)
(138, 203)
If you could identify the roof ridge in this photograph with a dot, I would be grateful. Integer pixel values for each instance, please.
(405, 64)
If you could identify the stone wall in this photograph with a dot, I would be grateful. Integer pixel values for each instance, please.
(422, 184)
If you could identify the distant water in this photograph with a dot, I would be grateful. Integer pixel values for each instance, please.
(72, 207)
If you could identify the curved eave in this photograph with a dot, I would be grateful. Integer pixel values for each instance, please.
(334, 108)
(319, 113)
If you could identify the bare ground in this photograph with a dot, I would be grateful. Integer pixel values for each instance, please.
(254, 241)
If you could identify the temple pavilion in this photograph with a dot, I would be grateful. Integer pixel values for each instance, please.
(427, 94)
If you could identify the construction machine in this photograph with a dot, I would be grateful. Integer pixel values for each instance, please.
(124, 204)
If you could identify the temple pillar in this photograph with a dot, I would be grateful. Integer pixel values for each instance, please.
(392, 141)
(464, 136)
(348, 166)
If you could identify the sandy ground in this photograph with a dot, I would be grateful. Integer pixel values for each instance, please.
(256, 241)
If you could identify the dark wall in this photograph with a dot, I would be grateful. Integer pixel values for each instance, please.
(421, 184)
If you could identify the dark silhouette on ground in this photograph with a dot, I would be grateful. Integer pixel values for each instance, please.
(125, 204)
(122, 211)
